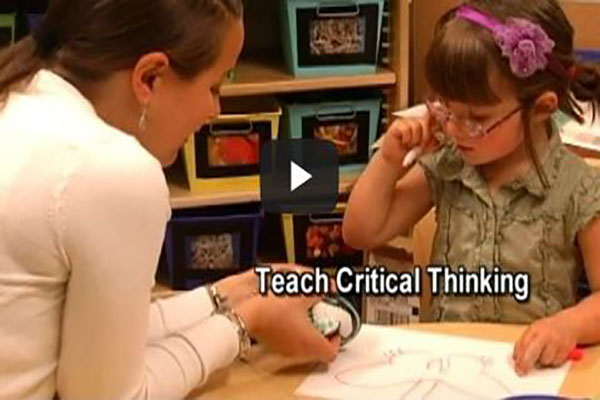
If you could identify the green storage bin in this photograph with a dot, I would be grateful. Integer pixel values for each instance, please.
(331, 37)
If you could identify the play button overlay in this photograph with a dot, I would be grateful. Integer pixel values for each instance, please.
(299, 176)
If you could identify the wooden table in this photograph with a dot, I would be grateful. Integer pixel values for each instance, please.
(267, 376)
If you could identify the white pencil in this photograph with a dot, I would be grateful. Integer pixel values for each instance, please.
(412, 156)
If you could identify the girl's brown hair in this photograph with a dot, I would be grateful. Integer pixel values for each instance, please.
(463, 54)
(90, 39)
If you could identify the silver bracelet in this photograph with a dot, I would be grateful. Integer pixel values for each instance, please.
(219, 301)
(243, 335)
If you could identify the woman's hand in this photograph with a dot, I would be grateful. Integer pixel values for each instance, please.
(545, 343)
(405, 134)
(282, 325)
(240, 287)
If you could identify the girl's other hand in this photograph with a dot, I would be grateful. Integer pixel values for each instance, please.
(545, 343)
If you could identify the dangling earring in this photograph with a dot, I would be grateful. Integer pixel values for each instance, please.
(143, 122)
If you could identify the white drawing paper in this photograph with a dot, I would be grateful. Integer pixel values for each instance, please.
(401, 364)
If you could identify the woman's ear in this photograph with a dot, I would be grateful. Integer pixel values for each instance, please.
(147, 72)
(544, 107)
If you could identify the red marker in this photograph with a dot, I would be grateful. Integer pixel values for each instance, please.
(576, 354)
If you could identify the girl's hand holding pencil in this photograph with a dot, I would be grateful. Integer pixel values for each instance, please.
(409, 138)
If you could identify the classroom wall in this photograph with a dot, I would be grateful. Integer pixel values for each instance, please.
(584, 15)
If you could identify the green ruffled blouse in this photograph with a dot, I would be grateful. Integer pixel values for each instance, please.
(522, 228)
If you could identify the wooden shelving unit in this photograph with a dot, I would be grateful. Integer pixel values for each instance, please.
(255, 78)
(261, 72)
(181, 197)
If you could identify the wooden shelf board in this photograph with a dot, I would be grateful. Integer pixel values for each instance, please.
(181, 197)
(253, 78)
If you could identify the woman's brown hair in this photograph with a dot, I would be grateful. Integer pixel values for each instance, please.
(90, 39)
(463, 54)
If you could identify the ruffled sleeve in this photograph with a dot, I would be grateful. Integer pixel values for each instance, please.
(585, 201)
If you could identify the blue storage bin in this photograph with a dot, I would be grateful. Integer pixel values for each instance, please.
(204, 245)
(352, 125)
(331, 37)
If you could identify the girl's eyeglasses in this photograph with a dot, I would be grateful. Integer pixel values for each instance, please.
(470, 128)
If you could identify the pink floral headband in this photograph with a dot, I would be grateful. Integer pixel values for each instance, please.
(525, 44)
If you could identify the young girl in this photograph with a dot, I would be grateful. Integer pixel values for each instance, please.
(506, 191)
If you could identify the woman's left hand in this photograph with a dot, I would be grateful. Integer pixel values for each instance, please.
(240, 287)
(546, 343)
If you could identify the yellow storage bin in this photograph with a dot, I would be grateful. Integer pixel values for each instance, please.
(316, 240)
(224, 155)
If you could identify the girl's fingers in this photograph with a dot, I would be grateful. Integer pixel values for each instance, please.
(417, 132)
(522, 343)
(531, 355)
(406, 136)
(548, 355)
(561, 356)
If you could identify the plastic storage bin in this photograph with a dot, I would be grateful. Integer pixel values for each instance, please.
(206, 244)
(316, 240)
(224, 156)
(331, 37)
(8, 24)
(352, 125)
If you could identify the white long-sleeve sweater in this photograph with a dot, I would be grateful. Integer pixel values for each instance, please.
(83, 208)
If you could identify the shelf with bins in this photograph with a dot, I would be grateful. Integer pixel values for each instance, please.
(256, 78)
(261, 72)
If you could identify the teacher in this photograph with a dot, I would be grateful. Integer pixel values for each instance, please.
(93, 104)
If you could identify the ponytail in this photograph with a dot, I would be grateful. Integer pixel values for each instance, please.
(18, 64)
(585, 86)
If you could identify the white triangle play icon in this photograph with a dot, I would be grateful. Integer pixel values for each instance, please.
(299, 176)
